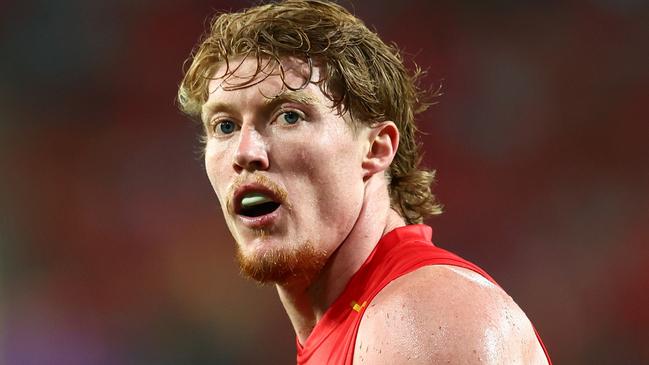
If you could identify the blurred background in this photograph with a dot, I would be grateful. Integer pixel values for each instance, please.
(112, 245)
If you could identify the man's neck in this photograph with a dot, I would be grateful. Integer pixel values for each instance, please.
(306, 303)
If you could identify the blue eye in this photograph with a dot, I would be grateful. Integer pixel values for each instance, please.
(226, 127)
(291, 117)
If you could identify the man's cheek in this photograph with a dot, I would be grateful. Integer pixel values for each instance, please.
(315, 157)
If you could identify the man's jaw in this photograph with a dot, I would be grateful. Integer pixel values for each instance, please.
(256, 205)
(281, 264)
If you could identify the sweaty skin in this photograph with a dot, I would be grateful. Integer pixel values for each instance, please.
(330, 181)
(445, 315)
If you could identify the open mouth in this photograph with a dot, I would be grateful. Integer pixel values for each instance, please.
(256, 205)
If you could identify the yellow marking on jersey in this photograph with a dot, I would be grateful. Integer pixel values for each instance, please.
(358, 307)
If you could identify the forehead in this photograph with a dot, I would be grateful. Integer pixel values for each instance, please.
(270, 77)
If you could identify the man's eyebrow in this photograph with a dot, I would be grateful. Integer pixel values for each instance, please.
(212, 108)
(292, 96)
(287, 96)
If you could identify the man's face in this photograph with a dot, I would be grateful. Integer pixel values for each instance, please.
(285, 166)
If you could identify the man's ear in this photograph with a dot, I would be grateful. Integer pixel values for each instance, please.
(383, 144)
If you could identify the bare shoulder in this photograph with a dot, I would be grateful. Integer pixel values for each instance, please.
(445, 314)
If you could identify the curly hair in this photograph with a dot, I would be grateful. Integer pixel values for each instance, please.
(360, 73)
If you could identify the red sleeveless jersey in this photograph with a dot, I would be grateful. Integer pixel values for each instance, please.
(399, 252)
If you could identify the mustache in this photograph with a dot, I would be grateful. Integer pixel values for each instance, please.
(279, 193)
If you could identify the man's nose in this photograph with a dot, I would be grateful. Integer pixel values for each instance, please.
(251, 152)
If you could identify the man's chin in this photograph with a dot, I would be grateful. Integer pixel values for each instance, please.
(282, 265)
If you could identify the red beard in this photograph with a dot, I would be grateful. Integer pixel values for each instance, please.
(281, 266)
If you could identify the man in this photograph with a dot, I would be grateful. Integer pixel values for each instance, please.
(310, 147)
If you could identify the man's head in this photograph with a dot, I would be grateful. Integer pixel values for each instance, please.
(292, 95)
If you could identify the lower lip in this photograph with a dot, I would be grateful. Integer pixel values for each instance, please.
(262, 221)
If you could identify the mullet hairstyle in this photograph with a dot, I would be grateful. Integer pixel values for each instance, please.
(360, 74)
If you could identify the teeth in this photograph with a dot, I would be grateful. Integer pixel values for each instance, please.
(253, 199)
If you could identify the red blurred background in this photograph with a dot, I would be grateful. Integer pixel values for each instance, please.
(112, 247)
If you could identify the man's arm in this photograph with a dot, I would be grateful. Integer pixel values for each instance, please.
(444, 314)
